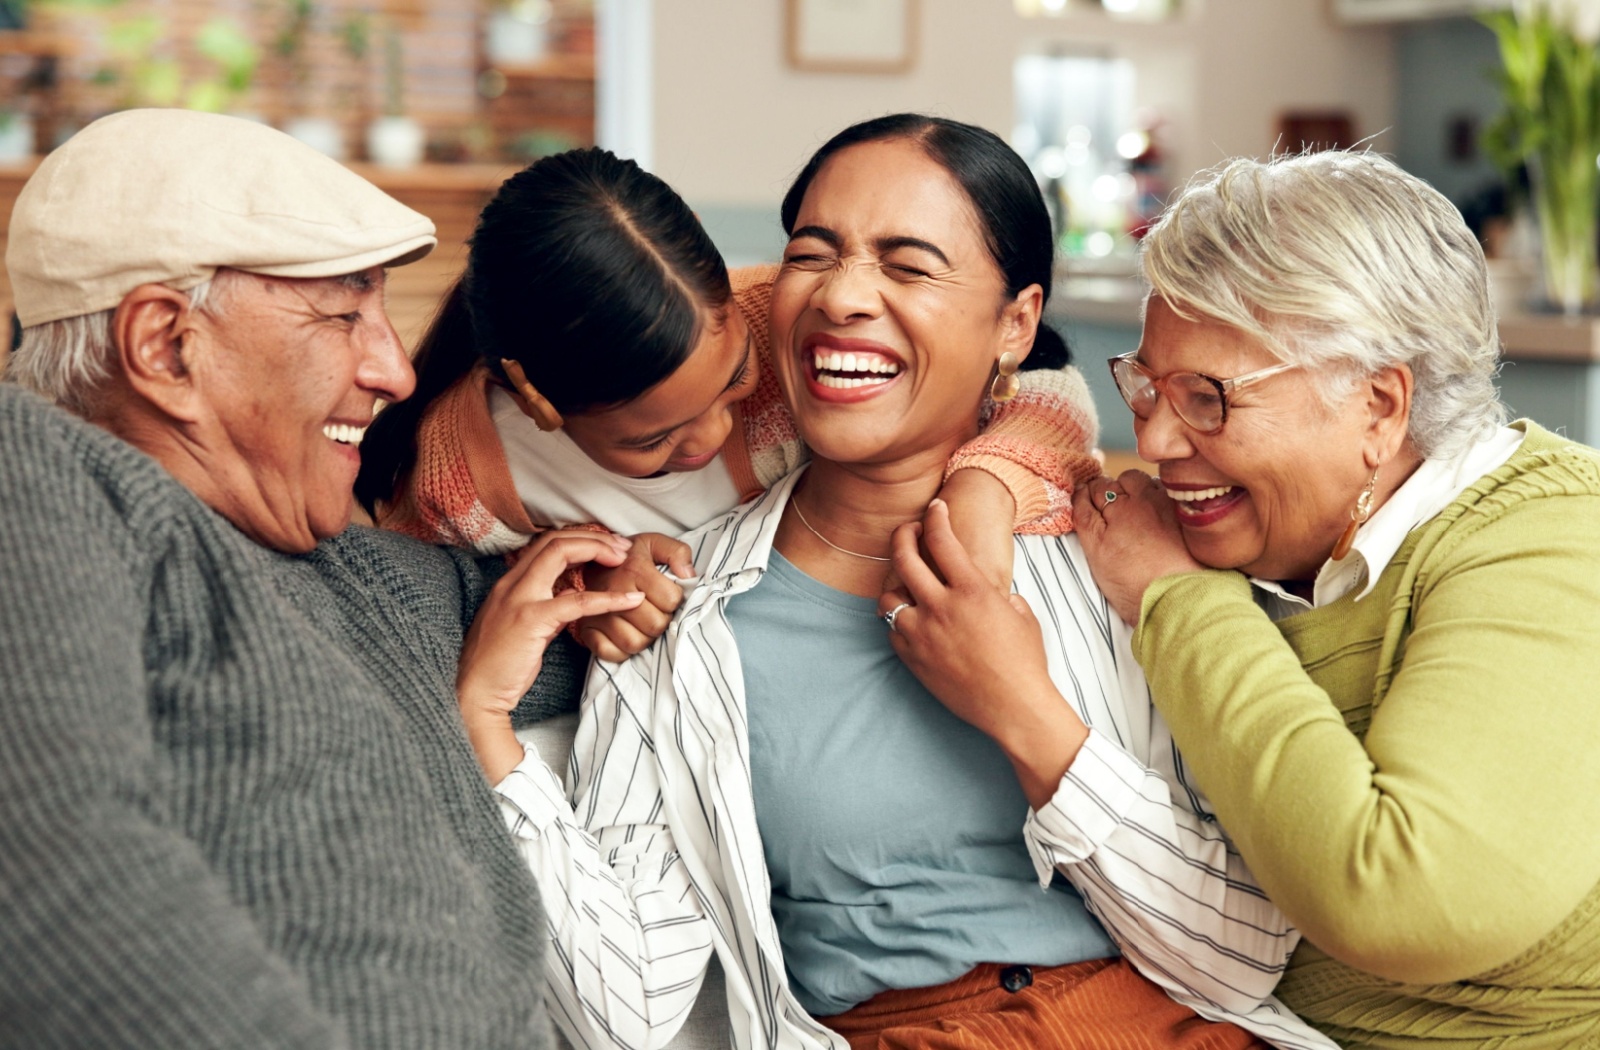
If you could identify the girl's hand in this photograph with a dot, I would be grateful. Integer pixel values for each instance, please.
(1132, 541)
(505, 646)
(617, 636)
(981, 652)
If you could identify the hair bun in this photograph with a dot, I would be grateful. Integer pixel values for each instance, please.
(1049, 350)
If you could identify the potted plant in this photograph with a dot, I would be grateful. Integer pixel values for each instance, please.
(292, 45)
(517, 32)
(1550, 123)
(146, 74)
(394, 140)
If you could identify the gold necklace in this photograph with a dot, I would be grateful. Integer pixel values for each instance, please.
(842, 550)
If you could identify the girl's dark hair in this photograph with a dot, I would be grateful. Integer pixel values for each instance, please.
(589, 272)
(1016, 225)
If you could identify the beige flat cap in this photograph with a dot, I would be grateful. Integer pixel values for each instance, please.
(167, 196)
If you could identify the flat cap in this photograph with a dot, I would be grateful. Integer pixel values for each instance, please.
(168, 196)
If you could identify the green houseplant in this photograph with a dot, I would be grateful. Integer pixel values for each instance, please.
(1550, 122)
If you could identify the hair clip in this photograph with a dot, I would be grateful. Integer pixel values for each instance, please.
(534, 405)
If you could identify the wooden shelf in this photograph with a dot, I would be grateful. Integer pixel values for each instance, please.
(32, 42)
(553, 67)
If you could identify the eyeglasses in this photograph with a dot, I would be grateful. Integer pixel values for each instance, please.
(1199, 400)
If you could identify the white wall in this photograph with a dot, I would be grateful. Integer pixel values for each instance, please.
(733, 123)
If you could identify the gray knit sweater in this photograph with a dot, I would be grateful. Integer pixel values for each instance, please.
(236, 807)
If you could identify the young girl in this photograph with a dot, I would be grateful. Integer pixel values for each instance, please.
(596, 326)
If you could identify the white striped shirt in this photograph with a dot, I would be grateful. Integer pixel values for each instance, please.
(657, 860)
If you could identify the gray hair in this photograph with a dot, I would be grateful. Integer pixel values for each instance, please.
(1340, 261)
(68, 361)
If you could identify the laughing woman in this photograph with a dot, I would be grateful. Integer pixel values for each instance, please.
(1005, 856)
(1368, 609)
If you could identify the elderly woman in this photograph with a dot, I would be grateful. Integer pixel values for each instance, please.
(1004, 853)
(1367, 608)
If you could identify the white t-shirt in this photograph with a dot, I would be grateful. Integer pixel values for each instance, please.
(559, 485)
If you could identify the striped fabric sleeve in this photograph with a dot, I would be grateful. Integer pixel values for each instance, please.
(629, 943)
(1166, 883)
(1170, 889)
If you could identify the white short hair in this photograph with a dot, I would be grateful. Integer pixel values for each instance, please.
(69, 360)
(1342, 262)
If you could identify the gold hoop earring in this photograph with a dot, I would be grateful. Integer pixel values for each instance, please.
(1006, 384)
(1358, 517)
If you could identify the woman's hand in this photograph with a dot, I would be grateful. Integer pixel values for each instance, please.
(1130, 541)
(980, 651)
(505, 646)
(617, 636)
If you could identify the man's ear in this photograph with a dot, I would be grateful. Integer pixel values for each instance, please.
(1389, 414)
(154, 332)
(1020, 320)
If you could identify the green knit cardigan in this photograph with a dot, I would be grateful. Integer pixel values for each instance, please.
(1414, 776)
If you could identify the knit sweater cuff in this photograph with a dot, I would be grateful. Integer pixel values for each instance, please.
(1038, 446)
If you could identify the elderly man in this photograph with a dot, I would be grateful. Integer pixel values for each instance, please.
(236, 804)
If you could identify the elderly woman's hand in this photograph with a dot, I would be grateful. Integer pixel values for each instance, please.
(979, 649)
(1131, 537)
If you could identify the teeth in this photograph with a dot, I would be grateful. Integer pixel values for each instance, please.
(824, 362)
(845, 383)
(344, 434)
(1195, 495)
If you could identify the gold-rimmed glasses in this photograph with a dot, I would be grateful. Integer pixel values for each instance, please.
(1199, 400)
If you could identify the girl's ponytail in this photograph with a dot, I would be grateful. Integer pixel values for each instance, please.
(447, 352)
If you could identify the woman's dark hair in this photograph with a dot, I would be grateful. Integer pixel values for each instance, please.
(586, 270)
(1016, 225)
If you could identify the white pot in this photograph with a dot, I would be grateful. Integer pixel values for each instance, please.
(515, 37)
(16, 138)
(320, 133)
(395, 142)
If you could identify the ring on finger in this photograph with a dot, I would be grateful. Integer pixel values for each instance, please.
(889, 616)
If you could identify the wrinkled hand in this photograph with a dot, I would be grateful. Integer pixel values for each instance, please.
(980, 651)
(617, 636)
(504, 648)
(1133, 541)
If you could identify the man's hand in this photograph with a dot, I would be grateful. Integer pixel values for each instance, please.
(505, 646)
(980, 650)
(617, 636)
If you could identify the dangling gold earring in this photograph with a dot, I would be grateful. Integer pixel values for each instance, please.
(1006, 384)
(1358, 517)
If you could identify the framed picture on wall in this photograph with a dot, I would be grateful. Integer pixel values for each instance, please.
(851, 36)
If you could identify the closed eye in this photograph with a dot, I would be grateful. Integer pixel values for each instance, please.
(658, 443)
(805, 259)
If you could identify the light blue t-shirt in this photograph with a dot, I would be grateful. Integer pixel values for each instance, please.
(892, 829)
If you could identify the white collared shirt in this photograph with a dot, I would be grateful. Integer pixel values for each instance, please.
(1431, 488)
(654, 861)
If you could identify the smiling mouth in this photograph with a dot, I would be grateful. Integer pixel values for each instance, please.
(1197, 504)
(846, 371)
(344, 433)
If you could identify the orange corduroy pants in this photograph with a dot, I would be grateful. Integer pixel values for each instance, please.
(1103, 1004)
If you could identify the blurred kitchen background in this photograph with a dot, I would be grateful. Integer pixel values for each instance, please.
(1114, 103)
